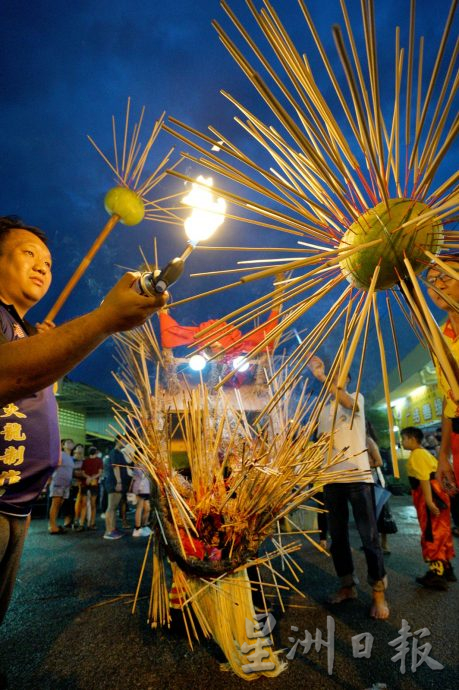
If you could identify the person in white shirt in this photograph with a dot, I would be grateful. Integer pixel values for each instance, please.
(348, 433)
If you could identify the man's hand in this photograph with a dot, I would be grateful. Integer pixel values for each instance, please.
(124, 308)
(28, 365)
(317, 367)
(44, 326)
(445, 474)
(433, 509)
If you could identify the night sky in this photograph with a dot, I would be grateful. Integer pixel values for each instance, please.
(67, 67)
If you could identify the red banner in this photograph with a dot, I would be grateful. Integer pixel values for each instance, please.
(174, 335)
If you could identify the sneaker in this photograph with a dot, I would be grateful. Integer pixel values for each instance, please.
(450, 575)
(113, 535)
(146, 531)
(433, 581)
(137, 532)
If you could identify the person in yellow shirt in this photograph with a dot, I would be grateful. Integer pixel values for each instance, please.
(432, 507)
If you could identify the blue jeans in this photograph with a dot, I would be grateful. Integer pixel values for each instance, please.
(361, 497)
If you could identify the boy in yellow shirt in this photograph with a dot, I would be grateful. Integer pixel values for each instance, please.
(432, 507)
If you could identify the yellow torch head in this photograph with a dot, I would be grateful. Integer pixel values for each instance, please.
(126, 204)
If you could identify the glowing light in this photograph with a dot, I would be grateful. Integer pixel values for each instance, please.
(418, 392)
(240, 364)
(197, 362)
(398, 404)
(207, 214)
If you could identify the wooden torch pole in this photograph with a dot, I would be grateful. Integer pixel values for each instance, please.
(82, 267)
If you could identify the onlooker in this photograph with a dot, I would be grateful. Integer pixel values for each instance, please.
(431, 444)
(66, 510)
(91, 471)
(114, 485)
(444, 292)
(351, 436)
(59, 488)
(142, 490)
(126, 479)
(432, 507)
(78, 457)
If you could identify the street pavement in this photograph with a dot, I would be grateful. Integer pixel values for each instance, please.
(70, 624)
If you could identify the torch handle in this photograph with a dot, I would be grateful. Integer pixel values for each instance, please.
(82, 267)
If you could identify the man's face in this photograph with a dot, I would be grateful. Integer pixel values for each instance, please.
(445, 284)
(25, 270)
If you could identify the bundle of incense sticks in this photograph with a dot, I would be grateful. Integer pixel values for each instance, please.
(216, 519)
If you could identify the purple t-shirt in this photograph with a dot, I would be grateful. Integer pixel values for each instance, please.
(29, 436)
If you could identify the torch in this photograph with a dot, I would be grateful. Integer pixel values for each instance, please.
(207, 214)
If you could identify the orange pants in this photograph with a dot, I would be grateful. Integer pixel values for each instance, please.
(436, 537)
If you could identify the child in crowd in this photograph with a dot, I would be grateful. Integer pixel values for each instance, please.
(432, 507)
(141, 488)
(59, 489)
(91, 471)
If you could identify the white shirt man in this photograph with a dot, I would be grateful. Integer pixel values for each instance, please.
(347, 431)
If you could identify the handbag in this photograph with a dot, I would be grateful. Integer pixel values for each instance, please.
(386, 522)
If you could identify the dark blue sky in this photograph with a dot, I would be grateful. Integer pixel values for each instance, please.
(66, 67)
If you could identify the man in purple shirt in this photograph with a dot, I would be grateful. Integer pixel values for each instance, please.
(29, 433)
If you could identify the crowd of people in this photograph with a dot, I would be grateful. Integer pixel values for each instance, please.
(86, 484)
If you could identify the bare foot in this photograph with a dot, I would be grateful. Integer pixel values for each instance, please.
(343, 594)
(379, 608)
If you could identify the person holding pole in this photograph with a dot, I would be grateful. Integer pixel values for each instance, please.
(31, 360)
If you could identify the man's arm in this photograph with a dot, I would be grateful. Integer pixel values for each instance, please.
(373, 453)
(444, 470)
(427, 492)
(30, 364)
(317, 368)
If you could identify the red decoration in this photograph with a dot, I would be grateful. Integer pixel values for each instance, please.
(174, 335)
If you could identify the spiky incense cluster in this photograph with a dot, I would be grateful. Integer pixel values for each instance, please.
(345, 175)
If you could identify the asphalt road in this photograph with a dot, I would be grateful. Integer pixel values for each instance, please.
(70, 627)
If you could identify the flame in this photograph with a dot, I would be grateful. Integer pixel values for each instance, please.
(208, 212)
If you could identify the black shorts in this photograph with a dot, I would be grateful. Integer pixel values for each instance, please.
(146, 497)
(91, 490)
